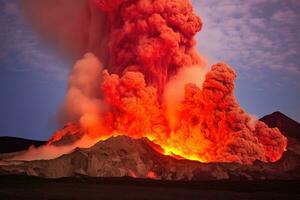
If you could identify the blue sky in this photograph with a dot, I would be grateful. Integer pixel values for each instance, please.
(258, 38)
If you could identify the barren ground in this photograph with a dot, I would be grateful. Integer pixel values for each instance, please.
(24, 187)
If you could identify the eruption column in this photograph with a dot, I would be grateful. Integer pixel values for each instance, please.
(150, 45)
(153, 37)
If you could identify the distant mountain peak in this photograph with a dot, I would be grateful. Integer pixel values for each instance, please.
(281, 115)
(288, 126)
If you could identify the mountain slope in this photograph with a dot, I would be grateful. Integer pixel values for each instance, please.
(123, 156)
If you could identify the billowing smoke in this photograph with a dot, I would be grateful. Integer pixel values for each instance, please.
(227, 133)
(83, 98)
(155, 38)
(155, 84)
(174, 90)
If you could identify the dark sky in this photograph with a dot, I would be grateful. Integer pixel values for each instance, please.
(258, 38)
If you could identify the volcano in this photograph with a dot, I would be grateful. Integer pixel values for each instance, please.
(122, 156)
(142, 104)
(147, 105)
(131, 164)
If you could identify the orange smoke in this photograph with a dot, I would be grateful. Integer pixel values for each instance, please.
(210, 126)
(83, 98)
(155, 38)
(156, 85)
(227, 133)
(151, 175)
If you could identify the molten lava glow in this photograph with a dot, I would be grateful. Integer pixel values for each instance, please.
(156, 85)
(151, 175)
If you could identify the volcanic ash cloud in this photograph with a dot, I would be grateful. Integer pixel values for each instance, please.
(155, 84)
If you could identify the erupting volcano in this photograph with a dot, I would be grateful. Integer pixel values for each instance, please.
(140, 76)
(151, 82)
(144, 115)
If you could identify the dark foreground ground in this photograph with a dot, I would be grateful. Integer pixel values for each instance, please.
(23, 187)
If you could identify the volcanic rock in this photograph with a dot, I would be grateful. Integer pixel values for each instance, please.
(123, 156)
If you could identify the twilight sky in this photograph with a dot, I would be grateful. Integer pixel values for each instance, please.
(260, 39)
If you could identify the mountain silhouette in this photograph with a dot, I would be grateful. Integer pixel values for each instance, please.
(13, 144)
(288, 126)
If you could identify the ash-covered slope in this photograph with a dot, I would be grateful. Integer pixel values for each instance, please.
(123, 156)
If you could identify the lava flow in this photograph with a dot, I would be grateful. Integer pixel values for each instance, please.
(151, 82)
